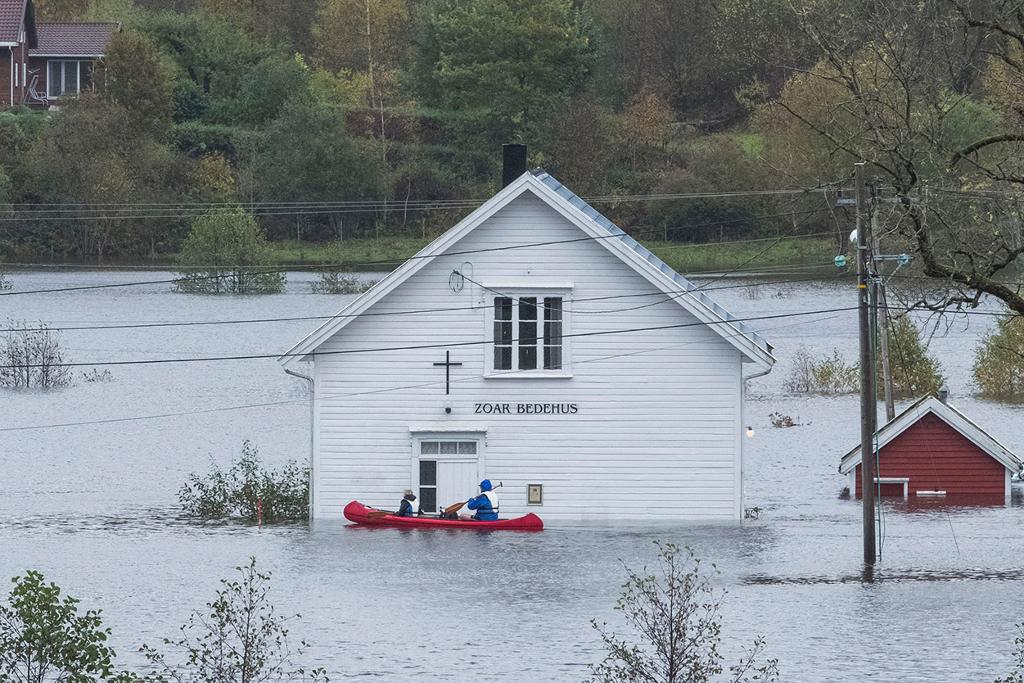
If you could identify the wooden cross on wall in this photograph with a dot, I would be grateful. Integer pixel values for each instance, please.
(448, 365)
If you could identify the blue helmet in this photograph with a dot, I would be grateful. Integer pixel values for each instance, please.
(485, 485)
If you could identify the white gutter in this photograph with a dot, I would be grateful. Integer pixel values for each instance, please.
(312, 408)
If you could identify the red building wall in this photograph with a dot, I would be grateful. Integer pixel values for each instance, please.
(936, 457)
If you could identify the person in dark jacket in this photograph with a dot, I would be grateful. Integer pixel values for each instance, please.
(407, 508)
(486, 504)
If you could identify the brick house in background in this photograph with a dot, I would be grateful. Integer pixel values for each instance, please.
(42, 62)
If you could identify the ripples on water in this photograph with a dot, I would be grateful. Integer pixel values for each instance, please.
(93, 507)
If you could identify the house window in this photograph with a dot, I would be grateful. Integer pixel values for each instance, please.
(528, 334)
(67, 77)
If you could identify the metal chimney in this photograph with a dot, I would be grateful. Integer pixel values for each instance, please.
(943, 394)
(513, 163)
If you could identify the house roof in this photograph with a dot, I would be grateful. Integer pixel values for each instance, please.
(73, 39)
(605, 233)
(952, 417)
(12, 12)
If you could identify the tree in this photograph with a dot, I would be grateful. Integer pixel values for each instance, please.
(61, 10)
(693, 55)
(31, 357)
(239, 639)
(1017, 676)
(903, 86)
(914, 372)
(364, 36)
(226, 252)
(675, 614)
(999, 364)
(43, 637)
(139, 79)
(96, 152)
(323, 164)
(506, 65)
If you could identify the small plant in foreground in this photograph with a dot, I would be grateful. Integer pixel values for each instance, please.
(5, 284)
(675, 615)
(1017, 675)
(246, 489)
(31, 358)
(43, 637)
(828, 375)
(999, 364)
(238, 639)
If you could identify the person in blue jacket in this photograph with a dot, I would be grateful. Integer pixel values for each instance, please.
(486, 504)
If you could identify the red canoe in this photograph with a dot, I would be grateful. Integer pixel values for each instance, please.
(360, 514)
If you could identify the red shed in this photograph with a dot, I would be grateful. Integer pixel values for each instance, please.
(930, 449)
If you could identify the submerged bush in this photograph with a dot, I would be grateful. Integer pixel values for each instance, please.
(675, 616)
(31, 358)
(4, 282)
(999, 364)
(827, 375)
(244, 487)
(226, 252)
(239, 637)
(914, 372)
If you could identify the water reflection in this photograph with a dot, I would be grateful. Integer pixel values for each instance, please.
(94, 508)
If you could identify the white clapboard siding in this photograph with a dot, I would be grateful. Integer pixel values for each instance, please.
(657, 433)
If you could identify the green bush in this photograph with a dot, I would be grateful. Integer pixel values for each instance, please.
(247, 484)
(334, 277)
(44, 638)
(999, 364)
(914, 372)
(827, 375)
(227, 252)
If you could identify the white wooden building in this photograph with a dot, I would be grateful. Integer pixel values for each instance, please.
(586, 375)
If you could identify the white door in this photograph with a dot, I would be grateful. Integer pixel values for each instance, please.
(449, 472)
(456, 481)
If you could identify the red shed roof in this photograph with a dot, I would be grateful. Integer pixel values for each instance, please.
(948, 414)
(77, 39)
(11, 14)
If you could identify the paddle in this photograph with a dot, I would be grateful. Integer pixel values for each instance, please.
(458, 506)
(379, 513)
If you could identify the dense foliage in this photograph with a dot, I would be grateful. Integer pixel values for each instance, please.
(44, 636)
(915, 373)
(226, 253)
(999, 365)
(248, 490)
(393, 102)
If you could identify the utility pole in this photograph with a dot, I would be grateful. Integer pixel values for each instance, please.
(868, 407)
(881, 307)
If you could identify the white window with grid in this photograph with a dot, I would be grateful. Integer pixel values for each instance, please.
(528, 330)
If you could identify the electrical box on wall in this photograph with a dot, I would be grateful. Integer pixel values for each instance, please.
(535, 494)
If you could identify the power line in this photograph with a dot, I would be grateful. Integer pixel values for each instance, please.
(418, 347)
(329, 396)
(439, 202)
(326, 266)
(371, 314)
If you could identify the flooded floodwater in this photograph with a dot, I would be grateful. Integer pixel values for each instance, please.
(91, 504)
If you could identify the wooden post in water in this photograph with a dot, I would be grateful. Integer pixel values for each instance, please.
(868, 407)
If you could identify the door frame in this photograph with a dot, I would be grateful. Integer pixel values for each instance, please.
(418, 437)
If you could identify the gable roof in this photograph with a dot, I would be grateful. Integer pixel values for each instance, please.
(12, 14)
(952, 417)
(605, 233)
(73, 39)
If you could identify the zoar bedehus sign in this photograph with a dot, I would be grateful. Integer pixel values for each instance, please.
(525, 408)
